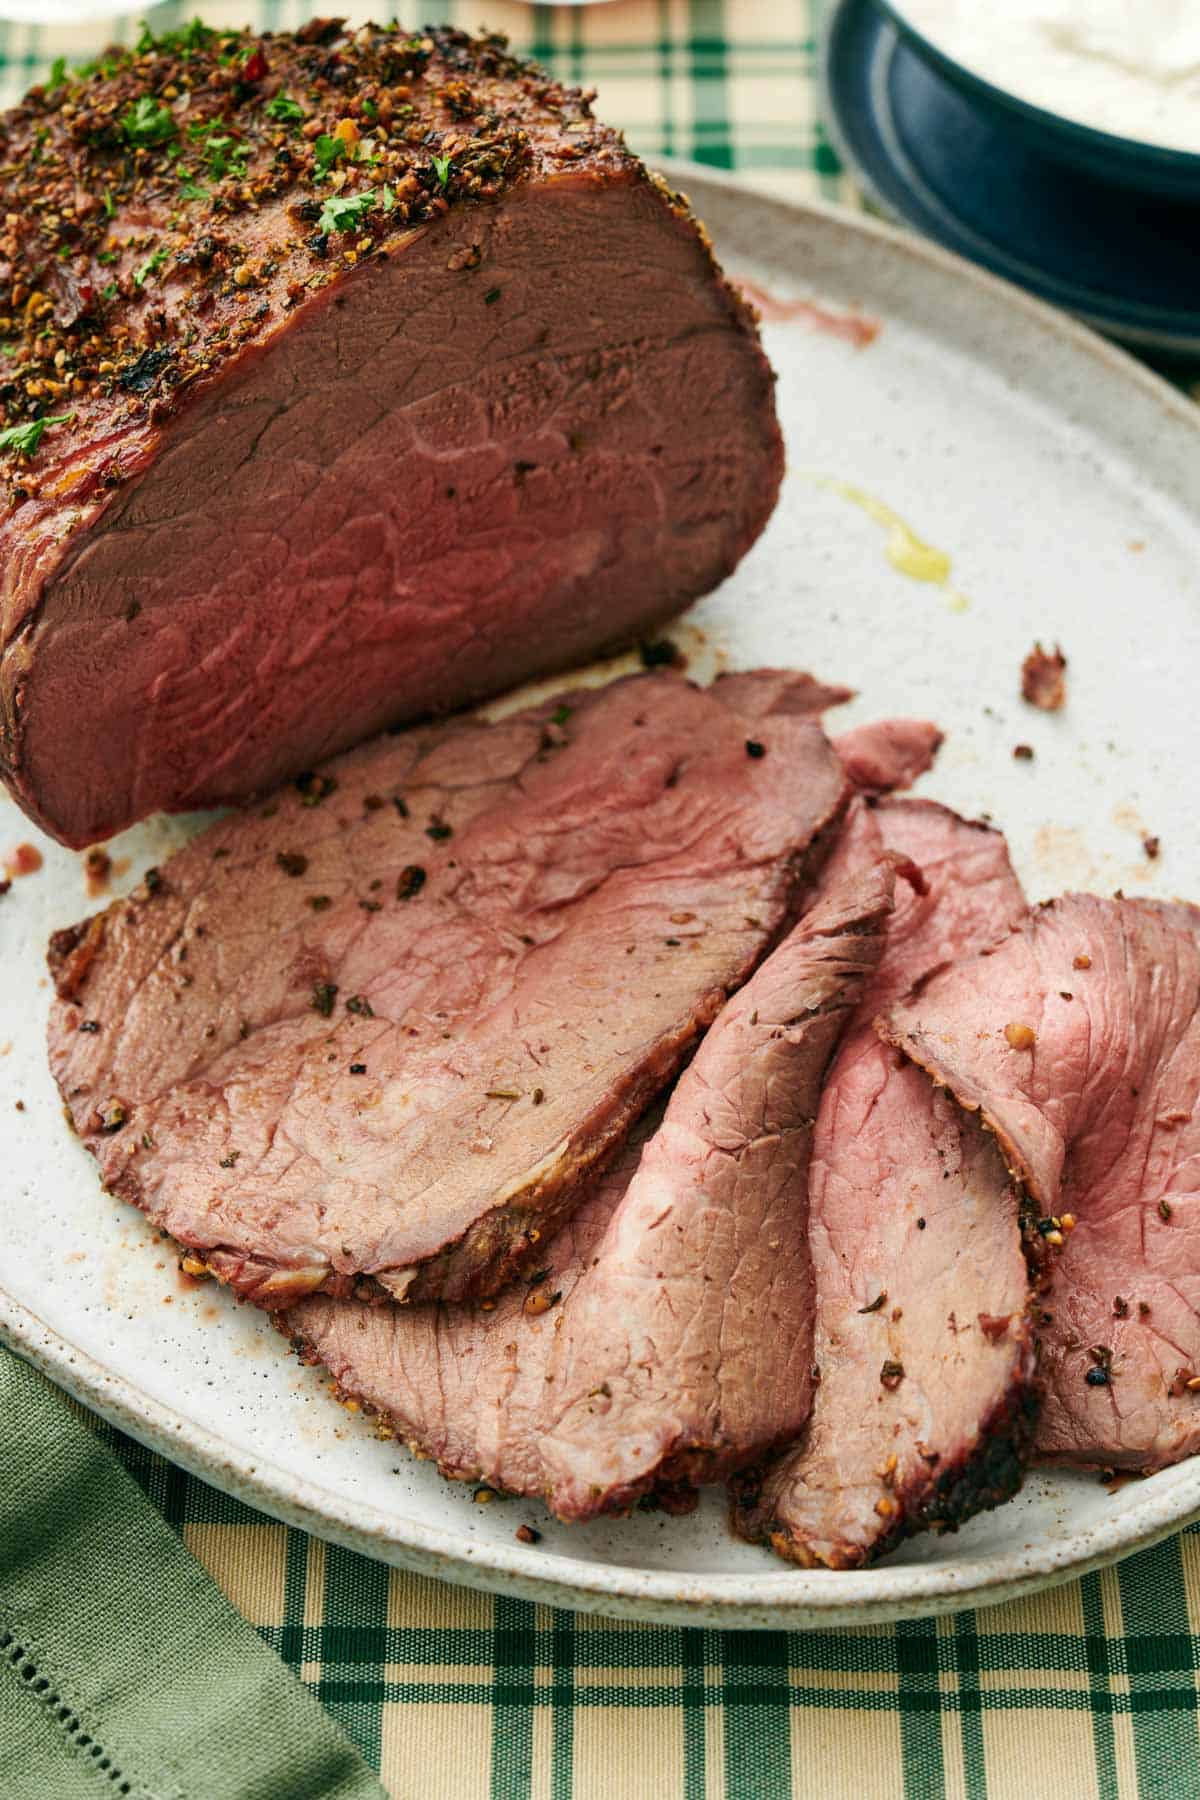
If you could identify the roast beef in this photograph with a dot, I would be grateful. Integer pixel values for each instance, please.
(923, 1340)
(1079, 1043)
(373, 376)
(669, 1336)
(385, 1026)
(888, 754)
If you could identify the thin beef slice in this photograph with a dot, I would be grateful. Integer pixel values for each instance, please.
(923, 1342)
(669, 1336)
(384, 1027)
(353, 413)
(1078, 1042)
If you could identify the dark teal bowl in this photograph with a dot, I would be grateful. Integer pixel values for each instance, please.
(1147, 168)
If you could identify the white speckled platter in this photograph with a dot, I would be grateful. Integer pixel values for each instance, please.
(1064, 482)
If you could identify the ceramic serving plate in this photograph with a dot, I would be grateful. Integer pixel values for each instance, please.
(1063, 483)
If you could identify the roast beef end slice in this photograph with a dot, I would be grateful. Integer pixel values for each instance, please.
(1078, 1043)
(922, 1338)
(666, 1337)
(323, 487)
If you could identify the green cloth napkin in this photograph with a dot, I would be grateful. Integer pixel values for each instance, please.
(123, 1668)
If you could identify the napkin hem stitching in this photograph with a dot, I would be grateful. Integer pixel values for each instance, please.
(22, 1660)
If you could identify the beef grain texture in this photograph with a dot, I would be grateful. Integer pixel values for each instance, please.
(1097, 1110)
(390, 1035)
(319, 478)
(678, 1341)
(923, 1339)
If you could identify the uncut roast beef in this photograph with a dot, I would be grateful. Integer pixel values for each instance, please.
(1078, 1042)
(668, 1338)
(377, 1033)
(354, 376)
(923, 1350)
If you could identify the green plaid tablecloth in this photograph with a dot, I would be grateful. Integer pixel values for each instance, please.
(1087, 1690)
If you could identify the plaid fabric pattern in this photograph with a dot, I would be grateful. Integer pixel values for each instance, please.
(1089, 1690)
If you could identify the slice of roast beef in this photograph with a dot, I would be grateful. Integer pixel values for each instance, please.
(888, 754)
(384, 378)
(388, 1024)
(669, 1336)
(1078, 1042)
(923, 1340)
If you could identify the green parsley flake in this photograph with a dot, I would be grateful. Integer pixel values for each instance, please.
(441, 168)
(327, 151)
(223, 157)
(287, 111)
(346, 212)
(192, 37)
(26, 438)
(192, 190)
(147, 123)
(151, 266)
(110, 205)
(58, 73)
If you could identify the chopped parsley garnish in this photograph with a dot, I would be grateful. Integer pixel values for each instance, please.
(58, 73)
(286, 111)
(326, 151)
(192, 37)
(151, 266)
(147, 123)
(491, 297)
(560, 715)
(26, 438)
(192, 190)
(346, 212)
(223, 156)
(109, 292)
(110, 205)
(441, 168)
(387, 199)
(370, 110)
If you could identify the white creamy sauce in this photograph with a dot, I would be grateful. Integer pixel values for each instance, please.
(1130, 67)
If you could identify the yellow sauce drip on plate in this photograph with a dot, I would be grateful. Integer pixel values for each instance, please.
(909, 554)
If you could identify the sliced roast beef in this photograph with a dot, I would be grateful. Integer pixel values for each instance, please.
(383, 378)
(669, 1336)
(387, 1025)
(888, 754)
(1078, 1041)
(923, 1341)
